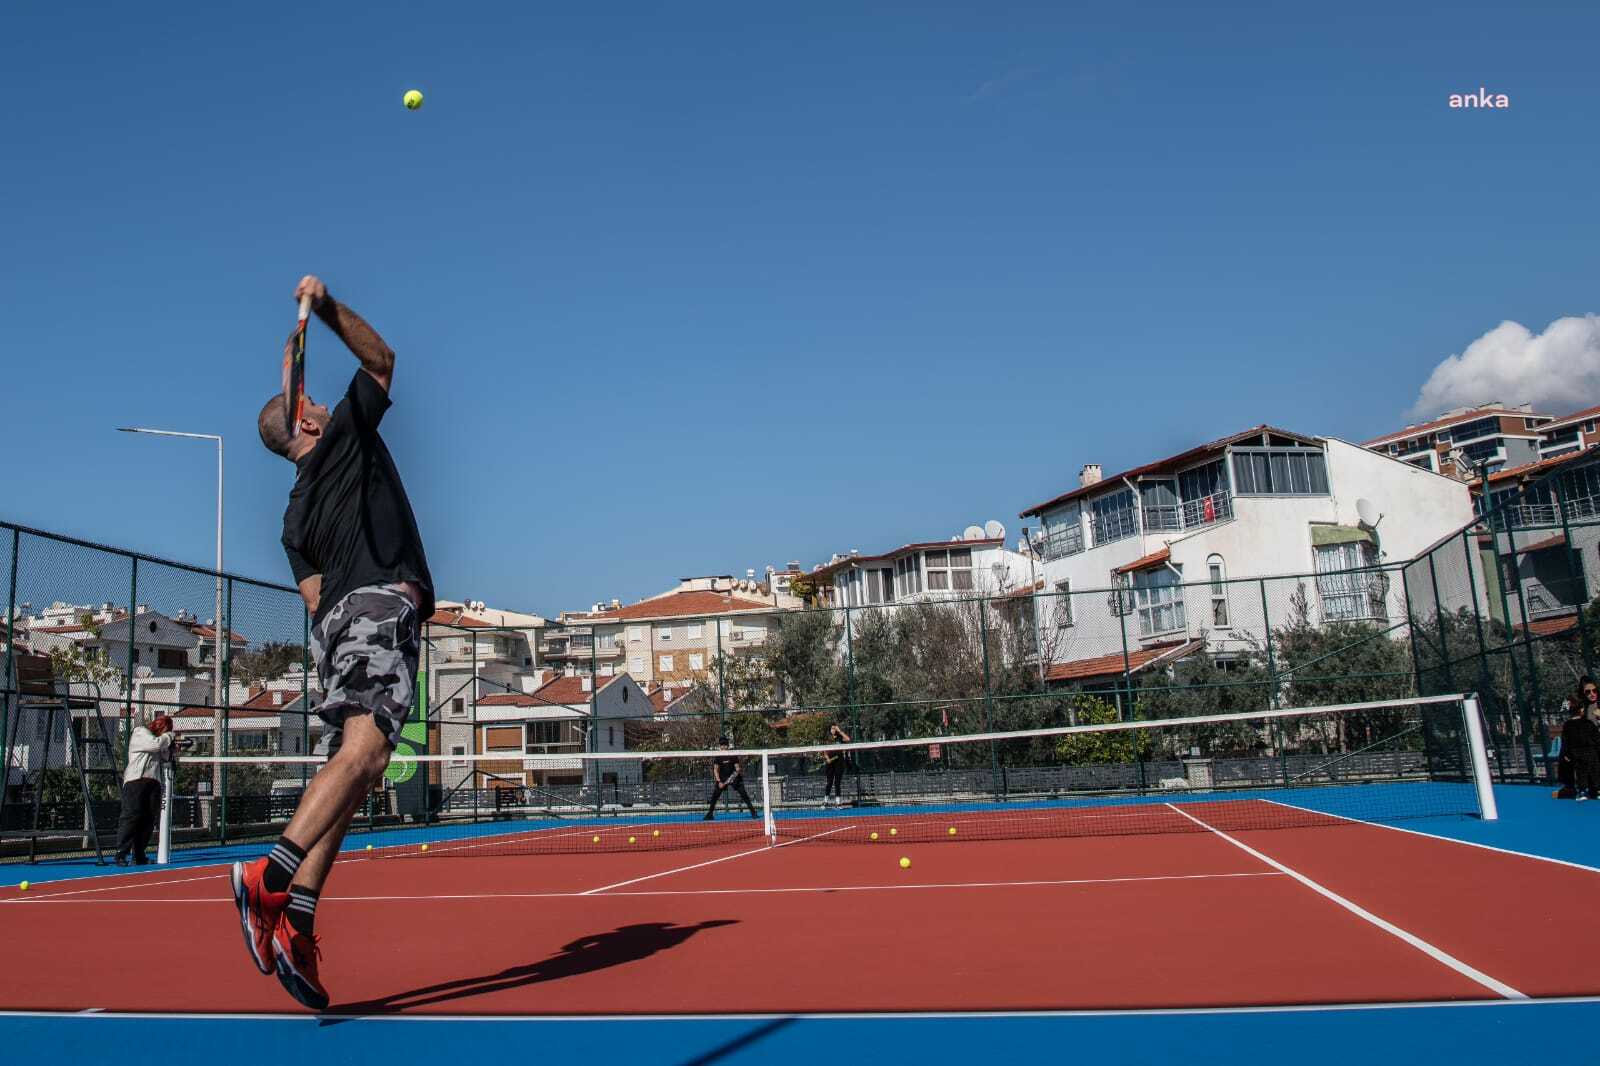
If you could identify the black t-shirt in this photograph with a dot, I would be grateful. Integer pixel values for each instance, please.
(348, 518)
(727, 768)
(1580, 737)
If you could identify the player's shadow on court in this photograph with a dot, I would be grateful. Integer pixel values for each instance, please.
(630, 943)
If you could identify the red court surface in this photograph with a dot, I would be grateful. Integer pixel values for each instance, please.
(1347, 913)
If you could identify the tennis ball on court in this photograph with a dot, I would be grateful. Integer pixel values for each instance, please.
(424, 847)
(596, 840)
(656, 833)
(952, 830)
(413, 100)
(874, 836)
(369, 847)
(23, 886)
(630, 840)
(905, 863)
(894, 832)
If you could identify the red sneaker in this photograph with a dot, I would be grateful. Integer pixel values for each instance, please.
(297, 956)
(258, 910)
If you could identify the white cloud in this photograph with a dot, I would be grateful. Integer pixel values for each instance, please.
(1558, 371)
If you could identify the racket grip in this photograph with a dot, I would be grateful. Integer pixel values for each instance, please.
(305, 308)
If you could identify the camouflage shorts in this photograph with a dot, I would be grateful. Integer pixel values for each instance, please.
(366, 650)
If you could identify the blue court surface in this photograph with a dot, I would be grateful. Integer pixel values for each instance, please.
(1532, 1030)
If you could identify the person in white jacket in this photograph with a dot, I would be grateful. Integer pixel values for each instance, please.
(149, 748)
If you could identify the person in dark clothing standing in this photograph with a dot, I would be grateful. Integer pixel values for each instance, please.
(727, 772)
(150, 748)
(1574, 708)
(1580, 742)
(353, 546)
(833, 763)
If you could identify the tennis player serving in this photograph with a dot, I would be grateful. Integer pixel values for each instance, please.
(353, 545)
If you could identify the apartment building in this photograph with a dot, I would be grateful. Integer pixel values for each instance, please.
(1457, 441)
(1140, 568)
(672, 638)
(1574, 433)
(567, 714)
(976, 563)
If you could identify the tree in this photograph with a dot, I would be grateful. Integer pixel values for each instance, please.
(266, 662)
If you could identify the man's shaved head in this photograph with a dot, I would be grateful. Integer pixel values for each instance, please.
(270, 424)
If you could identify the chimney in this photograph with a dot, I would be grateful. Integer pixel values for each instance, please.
(1089, 475)
(588, 683)
(277, 697)
(615, 603)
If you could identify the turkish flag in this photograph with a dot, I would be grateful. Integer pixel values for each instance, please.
(1211, 510)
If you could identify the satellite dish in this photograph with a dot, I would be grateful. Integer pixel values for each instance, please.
(994, 529)
(1367, 511)
(972, 533)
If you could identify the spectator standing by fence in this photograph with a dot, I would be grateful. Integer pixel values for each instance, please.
(149, 749)
(1580, 742)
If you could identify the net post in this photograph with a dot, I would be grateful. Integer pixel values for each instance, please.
(1484, 784)
(164, 833)
(768, 825)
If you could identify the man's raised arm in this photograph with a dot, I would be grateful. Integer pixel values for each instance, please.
(376, 357)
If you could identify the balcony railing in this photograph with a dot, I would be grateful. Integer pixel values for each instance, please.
(1190, 514)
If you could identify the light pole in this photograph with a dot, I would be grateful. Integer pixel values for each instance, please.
(216, 626)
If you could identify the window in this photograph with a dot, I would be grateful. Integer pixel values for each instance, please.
(1347, 585)
(1394, 449)
(635, 634)
(1219, 592)
(606, 670)
(636, 664)
(1482, 451)
(664, 634)
(611, 736)
(458, 753)
(1063, 532)
(665, 662)
(1113, 517)
(874, 586)
(1588, 427)
(171, 659)
(696, 632)
(697, 662)
(135, 653)
(1482, 427)
(458, 706)
(542, 733)
(1280, 471)
(1158, 599)
(1160, 502)
(908, 572)
(950, 570)
(1062, 604)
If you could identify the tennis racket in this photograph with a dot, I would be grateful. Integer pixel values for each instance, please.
(294, 371)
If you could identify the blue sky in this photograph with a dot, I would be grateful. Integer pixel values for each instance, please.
(683, 289)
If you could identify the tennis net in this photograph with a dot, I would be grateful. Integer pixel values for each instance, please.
(1384, 761)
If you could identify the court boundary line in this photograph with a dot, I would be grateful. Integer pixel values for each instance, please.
(713, 862)
(468, 896)
(305, 1018)
(1435, 836)
(1434, 952)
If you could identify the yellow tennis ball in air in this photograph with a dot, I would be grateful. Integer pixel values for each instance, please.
(23, 886)
(952, 830)
(656, 833)
(413, 100)
(596, 840)
(905, 863)
(894, 832)
(630, 840)
(424, 847)
(874, 836)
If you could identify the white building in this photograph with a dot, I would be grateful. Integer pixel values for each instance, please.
(1173, 534)
(977, 564)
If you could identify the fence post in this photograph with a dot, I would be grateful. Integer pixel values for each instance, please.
(305, 693)
(849, 667)
(224, 668)
(133, 615)
(1529, 704)
(1485, 680)
(1505, 615)
(472, 771)
(594, 712)
(1125, 696)
(722, 681)
(1444, 645)
(1266, 633)
(1411, 627)
(1575, 561)
(988, 698)
(7, 700)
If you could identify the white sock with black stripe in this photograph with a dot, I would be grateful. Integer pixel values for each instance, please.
(302, 909)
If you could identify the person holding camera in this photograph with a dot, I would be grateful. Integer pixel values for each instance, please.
(149, 749)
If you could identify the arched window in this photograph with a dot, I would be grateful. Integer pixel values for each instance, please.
(1219, 591)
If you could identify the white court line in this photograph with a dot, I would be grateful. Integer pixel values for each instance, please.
(694, 891)
(1437, 954)
(108, 888)
(1436, 836)
(713, 862)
